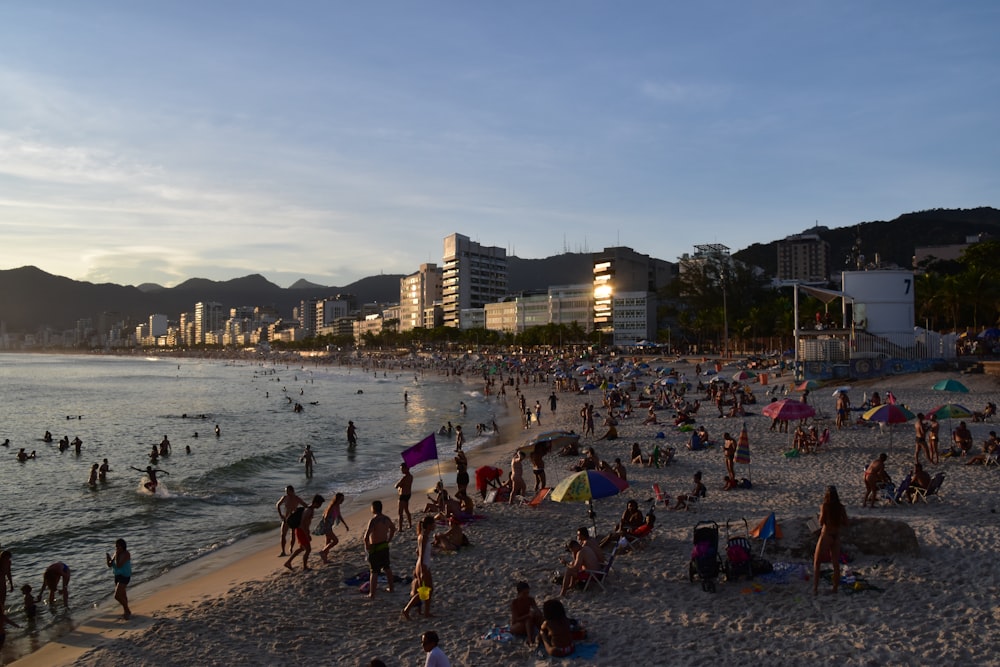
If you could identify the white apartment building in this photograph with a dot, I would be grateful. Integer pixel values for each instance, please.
(472, 276)
(559, 305)
(418, 292)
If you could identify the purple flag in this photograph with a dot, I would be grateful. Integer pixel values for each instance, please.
(425, 450)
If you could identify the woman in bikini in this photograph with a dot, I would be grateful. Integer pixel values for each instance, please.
(555, 634)
(422, 570)
(331, 518)
(832, 518)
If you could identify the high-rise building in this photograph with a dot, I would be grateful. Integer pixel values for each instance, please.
(472, 276)
(208, 318)
(621, 271)
(418, 292)
(804, 258)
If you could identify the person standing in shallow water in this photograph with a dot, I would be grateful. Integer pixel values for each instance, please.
(121, 567)
(832, 519)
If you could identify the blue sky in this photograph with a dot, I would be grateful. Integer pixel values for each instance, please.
(159, 141)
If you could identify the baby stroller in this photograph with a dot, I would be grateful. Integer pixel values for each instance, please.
(739, 557)
(705, 559)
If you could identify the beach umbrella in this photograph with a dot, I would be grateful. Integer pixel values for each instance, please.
(788, 409)
(841, 390)
(744, 375)
(808, 385)
(951, 411)
(950, 385)
(991, 332)
(586, 486)
(743, 450)
(890, 414)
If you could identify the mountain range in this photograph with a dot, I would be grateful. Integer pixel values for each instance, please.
(31, 298)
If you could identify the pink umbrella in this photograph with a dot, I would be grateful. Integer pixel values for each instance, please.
(788, 409)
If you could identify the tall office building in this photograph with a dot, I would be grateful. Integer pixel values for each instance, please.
(418, 292)
(472, 276)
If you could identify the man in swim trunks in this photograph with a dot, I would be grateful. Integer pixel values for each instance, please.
(404, 488)
(286, 505)
(538, 464)
(302, 534)
(378, 534)
(352, 434)
(51, 578)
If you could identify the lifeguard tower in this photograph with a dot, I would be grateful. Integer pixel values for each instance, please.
(873, 334)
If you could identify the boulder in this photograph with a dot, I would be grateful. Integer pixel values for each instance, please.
(869, 536)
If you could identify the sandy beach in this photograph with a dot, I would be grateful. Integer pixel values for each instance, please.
(240, 606)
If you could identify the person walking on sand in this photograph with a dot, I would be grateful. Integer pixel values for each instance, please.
(286, 505)
(422, 570)
(832, 519)
(121, 567)
(302, 534)
(309, 459)
(404, 489)
(330, 519)
(378, 534)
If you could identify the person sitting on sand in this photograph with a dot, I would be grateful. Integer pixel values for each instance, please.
(452, 539)
(555, 634)
(636, 456)
(610, 434)
(650, 416)
(697, 491)
(439, 501)
(990, 448)
(875, 476)
(962, 438)
(588, 462)
(525, 616)
(631, 519)
(729, 483)
(583, 559)
(570, 449)
(619, 469)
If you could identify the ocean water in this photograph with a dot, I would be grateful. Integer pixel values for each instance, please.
(224, 490)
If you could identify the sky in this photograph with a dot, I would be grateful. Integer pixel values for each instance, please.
(161, 141)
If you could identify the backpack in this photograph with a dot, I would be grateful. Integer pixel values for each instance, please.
(294, 519)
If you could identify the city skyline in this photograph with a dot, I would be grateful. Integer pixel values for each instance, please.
(161, 143)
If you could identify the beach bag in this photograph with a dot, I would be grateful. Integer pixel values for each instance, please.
(745, 483)
(294, 519)
(761, 565)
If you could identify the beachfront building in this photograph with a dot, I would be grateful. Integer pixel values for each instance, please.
(564, 304)
(472, 276)
(418, 292)
(207, 320)
(926, 256)
(369, 324)
(804, 258)
(625, 281)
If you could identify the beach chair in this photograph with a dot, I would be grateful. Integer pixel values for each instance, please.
(661, 497)
(539, 497)
(933, 489)
(598, 576)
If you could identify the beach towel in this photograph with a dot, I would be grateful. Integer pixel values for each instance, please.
(499, 633)
(587, 651)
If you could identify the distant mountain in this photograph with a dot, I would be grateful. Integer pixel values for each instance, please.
(31, 298)
(894, 241)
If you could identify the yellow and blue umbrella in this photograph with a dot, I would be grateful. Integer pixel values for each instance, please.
(585, 486)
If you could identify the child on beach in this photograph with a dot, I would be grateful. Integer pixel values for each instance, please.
(525, 616)
(30, 608)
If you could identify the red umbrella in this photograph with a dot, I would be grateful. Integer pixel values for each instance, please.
(788, 409)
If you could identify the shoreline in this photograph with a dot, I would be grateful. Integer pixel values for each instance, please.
(247, 560)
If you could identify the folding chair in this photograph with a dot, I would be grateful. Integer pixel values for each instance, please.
(539, 497)
(598, 576)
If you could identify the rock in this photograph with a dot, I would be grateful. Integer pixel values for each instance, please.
(869, 536)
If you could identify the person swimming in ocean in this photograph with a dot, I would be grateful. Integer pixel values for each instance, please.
(151, 472)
